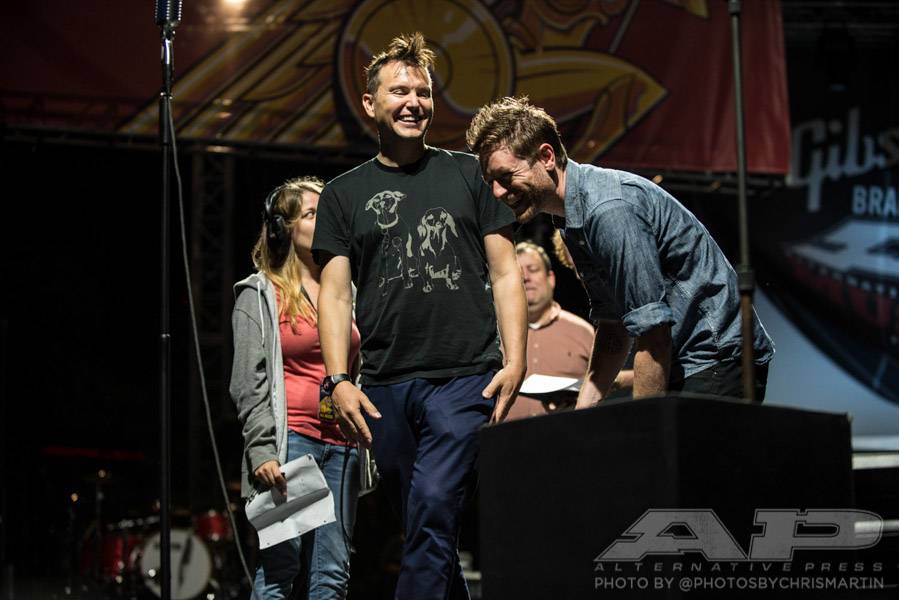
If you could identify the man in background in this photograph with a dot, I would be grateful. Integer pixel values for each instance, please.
(559, 342)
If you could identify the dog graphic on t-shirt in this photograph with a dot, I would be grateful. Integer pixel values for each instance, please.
(438, 257)
(398, 261)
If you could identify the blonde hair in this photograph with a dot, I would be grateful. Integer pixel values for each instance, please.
(278, 260)
(561, 250)
(528, 246)
(409, 49)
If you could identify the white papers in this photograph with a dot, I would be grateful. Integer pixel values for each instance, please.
(308, 504)
(546, 384)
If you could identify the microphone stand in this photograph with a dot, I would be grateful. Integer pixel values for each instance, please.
(165, 339)
(745, 275)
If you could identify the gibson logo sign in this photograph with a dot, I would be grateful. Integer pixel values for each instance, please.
(832, 150)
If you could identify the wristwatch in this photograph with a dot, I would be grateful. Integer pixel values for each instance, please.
(331, 381)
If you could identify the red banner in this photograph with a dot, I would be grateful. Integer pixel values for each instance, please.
(632, 84)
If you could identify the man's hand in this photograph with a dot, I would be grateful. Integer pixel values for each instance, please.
(611, 345)
(269, 473)
(504, 385)
(624, 380)
(349, 402)
(588, 396)
(511, 317)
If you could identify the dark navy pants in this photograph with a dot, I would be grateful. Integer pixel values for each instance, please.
(426, 447)
(723, 379)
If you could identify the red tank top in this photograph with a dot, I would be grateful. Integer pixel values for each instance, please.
(304, 369)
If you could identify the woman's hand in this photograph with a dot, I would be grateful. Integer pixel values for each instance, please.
(269, 473)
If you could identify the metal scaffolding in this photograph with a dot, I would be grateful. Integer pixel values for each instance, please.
(212, 275)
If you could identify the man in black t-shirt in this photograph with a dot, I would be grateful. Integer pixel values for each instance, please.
(433, 261)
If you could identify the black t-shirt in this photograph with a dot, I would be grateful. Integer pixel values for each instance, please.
(415, 239)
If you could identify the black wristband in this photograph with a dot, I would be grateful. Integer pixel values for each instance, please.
(331, 381)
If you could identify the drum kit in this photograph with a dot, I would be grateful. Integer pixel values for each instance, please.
(125, 559)
(122, 559)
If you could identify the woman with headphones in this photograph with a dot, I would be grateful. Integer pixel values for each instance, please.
(275, 381)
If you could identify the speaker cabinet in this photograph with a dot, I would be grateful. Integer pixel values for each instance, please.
(556, 491)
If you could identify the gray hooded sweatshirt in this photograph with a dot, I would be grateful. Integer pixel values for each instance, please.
(257, 377)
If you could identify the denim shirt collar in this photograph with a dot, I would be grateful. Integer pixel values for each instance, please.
(574, 205)
(587, 186)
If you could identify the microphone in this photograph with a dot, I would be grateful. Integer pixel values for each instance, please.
(168, 12)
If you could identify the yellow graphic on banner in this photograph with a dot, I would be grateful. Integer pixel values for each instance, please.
(295, 75)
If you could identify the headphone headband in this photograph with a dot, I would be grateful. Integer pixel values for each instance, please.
(275, 224)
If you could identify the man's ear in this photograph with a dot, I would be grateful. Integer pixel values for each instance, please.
(547, 156)
(551, 278)
(368, 104)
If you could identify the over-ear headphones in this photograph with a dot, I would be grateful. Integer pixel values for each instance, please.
(275, 224)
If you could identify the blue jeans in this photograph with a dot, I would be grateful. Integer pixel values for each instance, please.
(426, 447)
(324, 551)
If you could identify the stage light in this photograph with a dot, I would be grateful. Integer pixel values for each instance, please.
(231, 15)
(219, 149)
(657, 179)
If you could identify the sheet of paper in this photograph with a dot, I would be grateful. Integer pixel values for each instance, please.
(307, 505)
(546, 384)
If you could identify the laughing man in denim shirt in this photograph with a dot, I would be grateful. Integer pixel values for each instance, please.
(651, 269)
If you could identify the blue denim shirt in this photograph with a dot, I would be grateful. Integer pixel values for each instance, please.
(645, 260)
